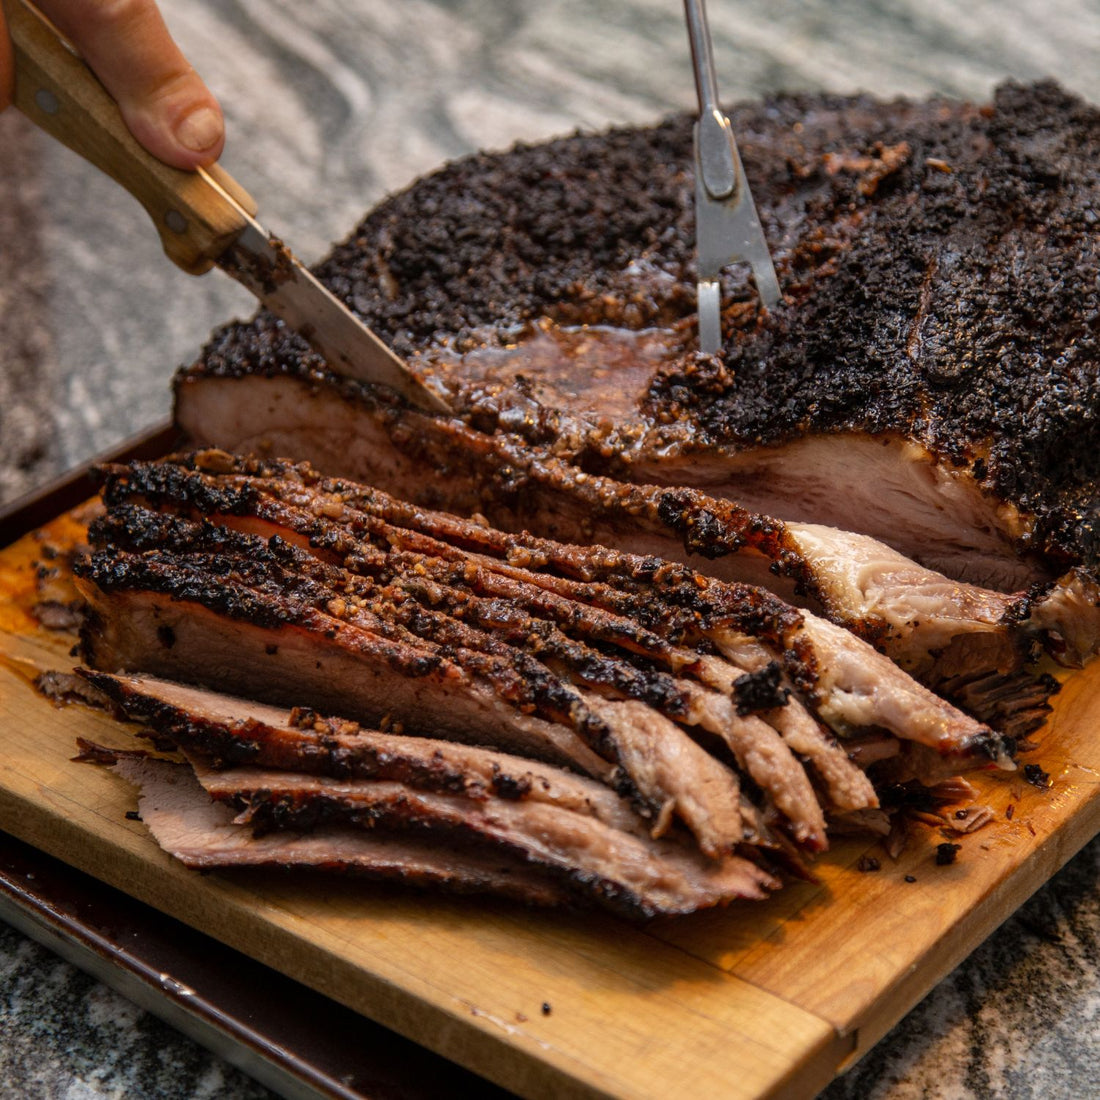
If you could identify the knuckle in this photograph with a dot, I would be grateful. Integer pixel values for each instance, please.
(117, 14)
(177, 88)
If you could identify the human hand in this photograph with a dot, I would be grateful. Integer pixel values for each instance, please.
(165, 103)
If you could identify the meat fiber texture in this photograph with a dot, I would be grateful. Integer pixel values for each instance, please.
(293, 789)
(931, 377)
(623, 729)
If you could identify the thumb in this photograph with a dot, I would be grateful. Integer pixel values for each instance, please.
(165, 103)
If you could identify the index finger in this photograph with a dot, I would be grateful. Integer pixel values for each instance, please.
(166, 105)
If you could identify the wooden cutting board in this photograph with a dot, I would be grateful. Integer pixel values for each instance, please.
(760, 1000)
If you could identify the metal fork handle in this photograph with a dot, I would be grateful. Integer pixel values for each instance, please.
(716, 155)
(702, 55)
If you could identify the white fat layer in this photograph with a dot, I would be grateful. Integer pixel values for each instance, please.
(924, 609)
(887, 487)
(861, 688)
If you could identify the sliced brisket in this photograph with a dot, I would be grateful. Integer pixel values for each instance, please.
(309, 773)
(203, 835)
(713, 704)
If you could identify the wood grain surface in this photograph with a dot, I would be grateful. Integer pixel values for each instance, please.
(761, 1000)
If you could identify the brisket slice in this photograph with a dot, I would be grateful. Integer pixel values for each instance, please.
(203, 835)
(229, 731)
(624, 871)
(930, 378)
(574, 829)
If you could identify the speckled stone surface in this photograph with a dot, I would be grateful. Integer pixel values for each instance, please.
(331, 106)
(63, 1034)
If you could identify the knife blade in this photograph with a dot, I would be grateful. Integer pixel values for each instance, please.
(265, 266)
(204, 218)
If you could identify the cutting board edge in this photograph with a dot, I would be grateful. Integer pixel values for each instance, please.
(465, 1041)
(983, 921)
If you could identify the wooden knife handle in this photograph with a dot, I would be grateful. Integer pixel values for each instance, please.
(197, 214)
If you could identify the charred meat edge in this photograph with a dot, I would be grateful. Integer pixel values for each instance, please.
(660, 595)
(474, 694)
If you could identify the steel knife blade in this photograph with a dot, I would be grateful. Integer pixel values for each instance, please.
(265, 266)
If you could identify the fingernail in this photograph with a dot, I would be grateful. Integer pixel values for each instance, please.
(200, 129)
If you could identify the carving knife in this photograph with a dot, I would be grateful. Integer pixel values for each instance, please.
(727, 227)
(204, 218)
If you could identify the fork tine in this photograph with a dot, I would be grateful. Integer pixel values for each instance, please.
(710, 316)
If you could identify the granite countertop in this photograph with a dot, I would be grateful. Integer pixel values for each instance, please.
(332, 105)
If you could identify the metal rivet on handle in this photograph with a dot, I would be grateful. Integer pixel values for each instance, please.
(47, 101)
(175, 221)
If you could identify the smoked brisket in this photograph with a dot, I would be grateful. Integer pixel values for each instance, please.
(930, 378)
